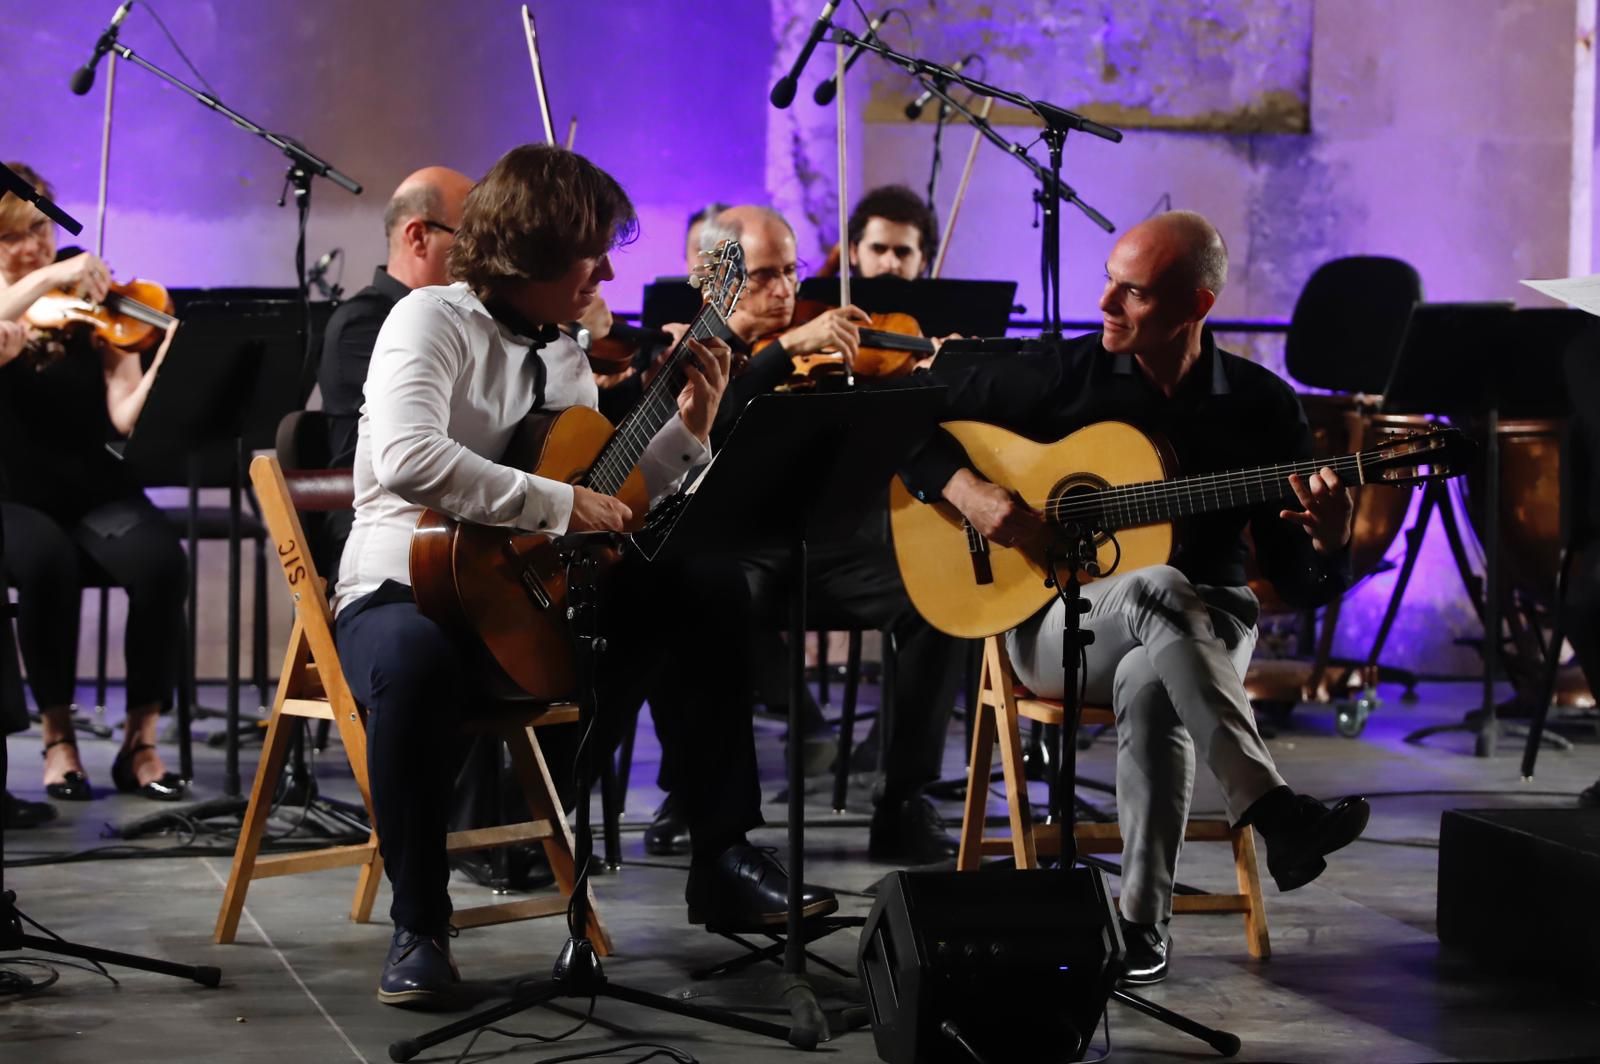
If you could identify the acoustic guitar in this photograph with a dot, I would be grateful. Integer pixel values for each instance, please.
(509, 586)
(1108, 481)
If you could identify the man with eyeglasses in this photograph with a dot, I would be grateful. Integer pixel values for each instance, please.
(419, 224)
(854, 583)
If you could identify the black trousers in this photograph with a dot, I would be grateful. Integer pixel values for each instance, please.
(133, 543)
(673, 630)
(858, 585)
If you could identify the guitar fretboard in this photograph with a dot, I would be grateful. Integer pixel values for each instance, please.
(1154, 501)
(655, 408)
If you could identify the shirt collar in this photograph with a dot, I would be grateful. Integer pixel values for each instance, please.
(1210, 366)
(385, 283)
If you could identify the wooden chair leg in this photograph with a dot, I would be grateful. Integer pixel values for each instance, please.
(977, 803)
(1255, 919)
(1013, 763)
(279, 731)
(539, 790)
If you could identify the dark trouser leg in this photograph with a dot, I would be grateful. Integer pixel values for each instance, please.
(677, 631)
(42, 564)
(860, 584)
(411, 677)
(1581, 616)
(146, 558)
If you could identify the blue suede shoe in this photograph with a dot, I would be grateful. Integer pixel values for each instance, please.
(418, 973)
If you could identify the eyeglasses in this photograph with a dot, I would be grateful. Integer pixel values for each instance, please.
(36, 231)
(768, 276)
(431, 224)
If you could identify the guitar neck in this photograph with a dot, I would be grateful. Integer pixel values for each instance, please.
(657, 406)
(1132, 505)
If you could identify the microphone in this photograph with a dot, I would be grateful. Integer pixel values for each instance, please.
(319, 269)
(914, 108)
(826, 90)
(83, 77)
(783, 92)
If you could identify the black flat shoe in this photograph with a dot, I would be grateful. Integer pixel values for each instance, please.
(910, 833)
(20, 813)
(668, 833)
(169, 788)
(1307, 832)
(1149, 951)
(746, 889)
(74, 786)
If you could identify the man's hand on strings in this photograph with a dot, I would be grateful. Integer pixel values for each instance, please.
(707, 379)
(1329, 511)
(994, 512)
(593, 512)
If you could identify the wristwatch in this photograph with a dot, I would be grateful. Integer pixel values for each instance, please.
(580, 333)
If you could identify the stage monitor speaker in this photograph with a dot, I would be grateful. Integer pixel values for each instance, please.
(1016, 964)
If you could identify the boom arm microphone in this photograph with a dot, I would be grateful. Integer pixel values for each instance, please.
(826, 90)
(83, 78)
(914, 108)
(783, 92)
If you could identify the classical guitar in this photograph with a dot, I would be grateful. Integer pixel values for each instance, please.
(1111, 481)
(509, 586)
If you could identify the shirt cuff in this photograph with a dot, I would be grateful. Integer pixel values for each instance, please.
(546, 506)
(682, 449)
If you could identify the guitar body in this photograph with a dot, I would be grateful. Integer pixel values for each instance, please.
(507, 585)
(970, 588)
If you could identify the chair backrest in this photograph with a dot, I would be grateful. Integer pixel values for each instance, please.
(302, 440)
(312, 639)
(1349, 323)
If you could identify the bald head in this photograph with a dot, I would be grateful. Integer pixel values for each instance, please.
(426, 200)
(769, 258)
(1184, 247)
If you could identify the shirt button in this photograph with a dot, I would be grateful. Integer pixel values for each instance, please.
(544, 524)
(685, 458)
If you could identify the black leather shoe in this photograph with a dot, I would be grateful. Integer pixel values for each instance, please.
(74, 786)
(169, 788)
(1305, 831)
(418, 973)
(526, 868)
(668, 833)
(20, 813)
(746, 889)
(1589, 797)
(1149, 948)
(910, 833)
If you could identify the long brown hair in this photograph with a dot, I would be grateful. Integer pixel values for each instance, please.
(534, 214)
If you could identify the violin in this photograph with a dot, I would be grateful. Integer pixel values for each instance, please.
(891, 345)
(132, 317)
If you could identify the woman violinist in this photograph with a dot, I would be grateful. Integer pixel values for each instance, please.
(70, 509)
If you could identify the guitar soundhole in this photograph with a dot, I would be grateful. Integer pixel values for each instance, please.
(1066, 501)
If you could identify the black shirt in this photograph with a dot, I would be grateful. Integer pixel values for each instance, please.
(346, 351)
(1227, 413)
(54, 427)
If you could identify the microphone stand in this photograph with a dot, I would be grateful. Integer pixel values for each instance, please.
(1052, 190)
(303, 166)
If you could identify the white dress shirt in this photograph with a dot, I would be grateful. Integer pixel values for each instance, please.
(446, 388)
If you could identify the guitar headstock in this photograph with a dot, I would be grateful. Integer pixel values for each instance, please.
(720, 276)
(1429, 455)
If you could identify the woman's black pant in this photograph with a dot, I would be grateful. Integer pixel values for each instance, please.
(46, 561)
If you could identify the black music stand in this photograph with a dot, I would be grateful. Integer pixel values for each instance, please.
(941, 307)
(235, 369)
(667, 300)
(1456, 360)
(794, 468)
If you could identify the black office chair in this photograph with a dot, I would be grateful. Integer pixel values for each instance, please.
(1349, 322)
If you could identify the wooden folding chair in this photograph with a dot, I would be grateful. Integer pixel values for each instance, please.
(312, 686)
(1002, 704)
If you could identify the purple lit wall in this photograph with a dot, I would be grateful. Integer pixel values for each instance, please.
(666, 95)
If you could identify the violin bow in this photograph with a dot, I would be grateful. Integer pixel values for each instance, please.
(844, 199)
(961, 191)
(538, 79)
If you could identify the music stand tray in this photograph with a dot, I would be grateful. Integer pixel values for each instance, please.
(941, 307)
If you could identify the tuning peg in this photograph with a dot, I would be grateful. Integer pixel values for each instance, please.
(695, 280)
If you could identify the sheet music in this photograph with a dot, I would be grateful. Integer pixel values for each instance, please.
(1580, 292)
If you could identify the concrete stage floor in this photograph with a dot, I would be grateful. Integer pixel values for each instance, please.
(1357, 973)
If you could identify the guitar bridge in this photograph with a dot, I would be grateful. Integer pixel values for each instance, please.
(978, 548)
(528, 577)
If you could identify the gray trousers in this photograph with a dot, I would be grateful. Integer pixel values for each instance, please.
(1170, 659)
